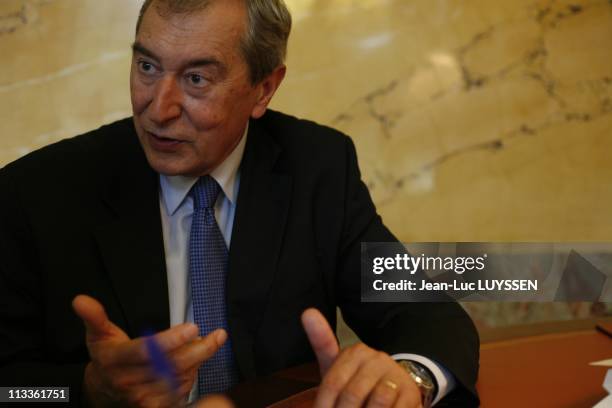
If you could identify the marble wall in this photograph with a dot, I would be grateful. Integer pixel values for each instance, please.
(475, 120)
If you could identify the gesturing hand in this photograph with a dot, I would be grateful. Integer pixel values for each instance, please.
(358, 375)
(120, 370)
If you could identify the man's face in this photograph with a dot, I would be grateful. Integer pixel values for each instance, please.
(191, 93)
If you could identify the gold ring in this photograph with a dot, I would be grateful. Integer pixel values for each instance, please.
(391, 384)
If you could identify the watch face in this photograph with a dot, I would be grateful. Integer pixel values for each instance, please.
(423, 380)
(420, 375)
(426, 379)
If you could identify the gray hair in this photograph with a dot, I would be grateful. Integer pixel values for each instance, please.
(264, 43)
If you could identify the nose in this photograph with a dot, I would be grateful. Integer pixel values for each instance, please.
(166, 103)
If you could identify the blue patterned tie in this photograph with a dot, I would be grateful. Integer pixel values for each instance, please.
(208, 258)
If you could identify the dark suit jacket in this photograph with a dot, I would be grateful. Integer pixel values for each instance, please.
(82, 216)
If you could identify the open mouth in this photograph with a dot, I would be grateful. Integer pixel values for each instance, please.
(163, 142)
(163, 138)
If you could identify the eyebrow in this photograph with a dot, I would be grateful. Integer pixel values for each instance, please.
(198, 62)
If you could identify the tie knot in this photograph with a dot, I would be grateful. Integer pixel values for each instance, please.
(205, 192)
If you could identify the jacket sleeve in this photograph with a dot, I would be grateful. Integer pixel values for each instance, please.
(441, 331)
(23, 358)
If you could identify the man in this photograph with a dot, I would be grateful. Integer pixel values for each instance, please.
(129, 227)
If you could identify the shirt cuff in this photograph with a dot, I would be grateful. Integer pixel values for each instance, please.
(444, 379)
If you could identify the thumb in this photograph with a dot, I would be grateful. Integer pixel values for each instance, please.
(321, 338)
(97, 325)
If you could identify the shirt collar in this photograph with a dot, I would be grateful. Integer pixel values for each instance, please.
(174, 189)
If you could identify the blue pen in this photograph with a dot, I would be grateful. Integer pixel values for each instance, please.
(162, 367)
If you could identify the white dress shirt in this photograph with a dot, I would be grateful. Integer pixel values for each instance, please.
(176, 208)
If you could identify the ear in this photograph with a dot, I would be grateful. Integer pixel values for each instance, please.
(267, 87)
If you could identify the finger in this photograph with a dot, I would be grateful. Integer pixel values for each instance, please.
(176, 336)
(97, 325)
(187, 385)
(321, 337)
(340, 373)
(164, 399)
(409, 394)
(384, 395)
(363, 383)
(409, 397)
(135, 351)
(126, 378)
(193, 354)
(150, 380)
(154, 394)
(214, 401)
(123, 378)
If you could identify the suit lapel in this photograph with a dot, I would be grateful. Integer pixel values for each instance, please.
(259, 224)
(131, 244)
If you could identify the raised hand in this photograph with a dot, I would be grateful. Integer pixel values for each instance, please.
(358, 375)
(120, 369)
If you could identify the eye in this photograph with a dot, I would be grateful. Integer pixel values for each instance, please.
(146, 67)
(196, 80)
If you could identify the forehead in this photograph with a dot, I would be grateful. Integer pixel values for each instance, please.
(214, 29)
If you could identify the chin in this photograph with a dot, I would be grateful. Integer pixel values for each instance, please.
(167, 167)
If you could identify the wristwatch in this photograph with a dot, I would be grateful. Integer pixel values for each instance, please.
(423, 379)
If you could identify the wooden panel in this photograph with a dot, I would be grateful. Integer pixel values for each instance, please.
(544, 371)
